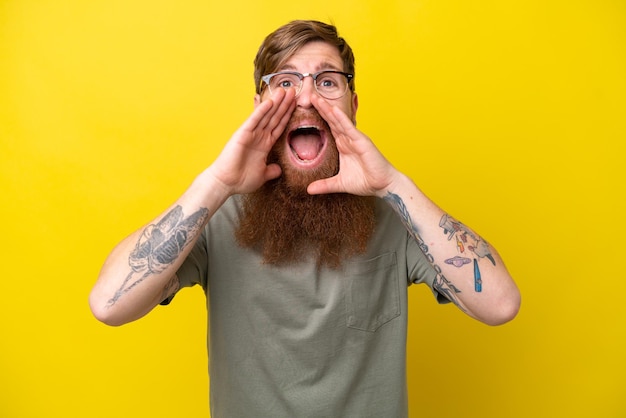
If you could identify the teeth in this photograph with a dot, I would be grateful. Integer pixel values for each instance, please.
(310, 129)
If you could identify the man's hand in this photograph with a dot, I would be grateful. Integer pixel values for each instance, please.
(241, 167)
(363, 170)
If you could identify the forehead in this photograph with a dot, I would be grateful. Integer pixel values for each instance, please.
(314, 56)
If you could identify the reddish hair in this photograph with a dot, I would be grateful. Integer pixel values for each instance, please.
(284, 42)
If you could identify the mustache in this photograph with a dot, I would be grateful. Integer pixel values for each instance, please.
(310, 115)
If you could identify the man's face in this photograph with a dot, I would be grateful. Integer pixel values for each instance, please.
(306, 149)
(281, 220)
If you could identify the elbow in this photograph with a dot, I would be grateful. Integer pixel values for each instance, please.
(102, 312)
(506, 311)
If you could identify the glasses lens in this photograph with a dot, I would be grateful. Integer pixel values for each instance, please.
(285, 81)
(331, 85)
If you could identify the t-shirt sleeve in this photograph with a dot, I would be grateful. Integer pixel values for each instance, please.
(420, 270)
(193, 271)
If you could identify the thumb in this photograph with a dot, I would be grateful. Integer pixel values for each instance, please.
(272, 171)
(324, 186)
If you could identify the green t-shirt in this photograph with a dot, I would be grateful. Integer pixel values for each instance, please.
(301, 342)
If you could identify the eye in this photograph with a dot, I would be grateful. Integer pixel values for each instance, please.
(285, 81)
(329, 81)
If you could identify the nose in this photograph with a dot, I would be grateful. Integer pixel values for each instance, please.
(308, 88)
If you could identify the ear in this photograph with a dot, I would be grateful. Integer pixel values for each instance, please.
(257, 100)
(355, 106)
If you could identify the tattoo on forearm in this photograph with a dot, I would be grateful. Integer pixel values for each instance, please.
(465, 239)
(442, 285)
(466, 242)
(478, 281)
(159, 246)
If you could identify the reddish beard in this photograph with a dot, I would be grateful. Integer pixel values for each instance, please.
(287, 225)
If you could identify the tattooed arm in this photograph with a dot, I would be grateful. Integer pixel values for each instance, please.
(126, 291)
(141, 271)
(470, 272)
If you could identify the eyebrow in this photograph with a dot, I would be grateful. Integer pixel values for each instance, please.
(323, 66)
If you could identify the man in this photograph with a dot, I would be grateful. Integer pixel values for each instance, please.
(305, 239)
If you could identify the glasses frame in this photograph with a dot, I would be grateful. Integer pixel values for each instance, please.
(349, 77)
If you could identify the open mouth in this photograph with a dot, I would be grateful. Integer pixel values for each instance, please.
(307, 144)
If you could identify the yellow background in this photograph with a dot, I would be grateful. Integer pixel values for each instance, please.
(509, 114)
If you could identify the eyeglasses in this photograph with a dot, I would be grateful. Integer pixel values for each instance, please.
(330, 84)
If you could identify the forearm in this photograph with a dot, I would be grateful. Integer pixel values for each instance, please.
(470, 273)
(141, 271)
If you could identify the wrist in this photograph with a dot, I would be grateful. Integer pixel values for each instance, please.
(207, 187)
(397, 182)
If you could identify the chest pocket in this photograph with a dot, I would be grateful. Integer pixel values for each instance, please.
(372, 292)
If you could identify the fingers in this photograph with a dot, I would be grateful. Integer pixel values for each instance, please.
(283, 113)
(258, 118)
(274, 111)
(338, 121)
